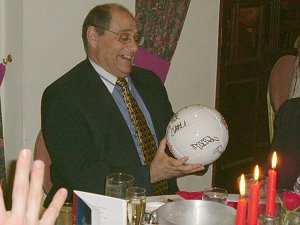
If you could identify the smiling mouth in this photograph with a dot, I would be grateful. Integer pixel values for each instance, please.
(127, 57)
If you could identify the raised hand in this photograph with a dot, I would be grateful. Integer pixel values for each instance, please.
(27, 195)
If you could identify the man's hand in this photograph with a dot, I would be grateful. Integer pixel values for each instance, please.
(27, 195)
(164, 167)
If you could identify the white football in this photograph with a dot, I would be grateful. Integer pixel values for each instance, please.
(199, 132)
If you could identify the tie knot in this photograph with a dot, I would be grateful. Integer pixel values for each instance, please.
(122, 82)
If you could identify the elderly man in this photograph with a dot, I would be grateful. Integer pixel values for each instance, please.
(106, 116)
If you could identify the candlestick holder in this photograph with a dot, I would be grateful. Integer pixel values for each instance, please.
(249, 179)
(265, 219)
(269, 220)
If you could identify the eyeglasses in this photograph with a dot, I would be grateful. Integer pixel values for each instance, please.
(126, 38)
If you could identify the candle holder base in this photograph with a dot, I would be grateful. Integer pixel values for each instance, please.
(268, 220)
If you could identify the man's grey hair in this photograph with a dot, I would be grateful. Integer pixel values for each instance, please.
(100, 17)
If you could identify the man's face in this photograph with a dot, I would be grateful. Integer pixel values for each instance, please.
(112, 55)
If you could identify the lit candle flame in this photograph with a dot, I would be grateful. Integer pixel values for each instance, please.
(242, 185)
(256, 173)
(274, 160)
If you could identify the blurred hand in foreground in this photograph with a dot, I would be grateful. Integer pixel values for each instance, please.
(27, 195)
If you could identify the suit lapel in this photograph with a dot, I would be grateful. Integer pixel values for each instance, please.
(101, 102)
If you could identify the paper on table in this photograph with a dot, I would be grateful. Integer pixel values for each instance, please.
(104, 209)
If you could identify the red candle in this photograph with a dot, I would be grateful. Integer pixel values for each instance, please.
(272, 183)
(254, 199)
(242, 204)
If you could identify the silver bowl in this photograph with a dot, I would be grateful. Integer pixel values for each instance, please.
(195, 212)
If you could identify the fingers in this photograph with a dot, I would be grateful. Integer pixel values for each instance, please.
(28, 197)
(162, 145)
(177, 167)
(165, 167)
(182, 165)
(186, 169)
(179, 162)
(21, 183)
(35, 191)
(52, 211)
(2, 206)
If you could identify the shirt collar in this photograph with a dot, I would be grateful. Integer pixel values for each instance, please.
(108, 79)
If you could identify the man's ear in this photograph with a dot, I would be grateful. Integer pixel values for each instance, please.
(92, 36)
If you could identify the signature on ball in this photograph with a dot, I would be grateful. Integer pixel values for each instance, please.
(219, 150)
(204, 142)
(177, 127)
(174, 118)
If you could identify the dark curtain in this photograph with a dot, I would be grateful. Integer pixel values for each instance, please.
(160, 23)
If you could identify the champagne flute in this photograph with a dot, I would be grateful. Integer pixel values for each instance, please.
(116, 184)
(136, 205)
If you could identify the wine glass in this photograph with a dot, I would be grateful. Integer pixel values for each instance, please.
(215, 194)
(65, 216)
(249, 179)
(136, 197)
(116, 184)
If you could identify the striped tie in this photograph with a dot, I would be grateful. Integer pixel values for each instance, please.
(142, 132)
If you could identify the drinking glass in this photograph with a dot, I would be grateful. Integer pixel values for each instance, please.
(116, 184)
(249, 179)
(65, 216)
(215, 194)
(136, 197)
(266, 220)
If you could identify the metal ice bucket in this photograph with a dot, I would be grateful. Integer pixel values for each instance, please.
(195, 212)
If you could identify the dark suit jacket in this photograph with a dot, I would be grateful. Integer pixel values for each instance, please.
(86, 135)
(287, 143)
